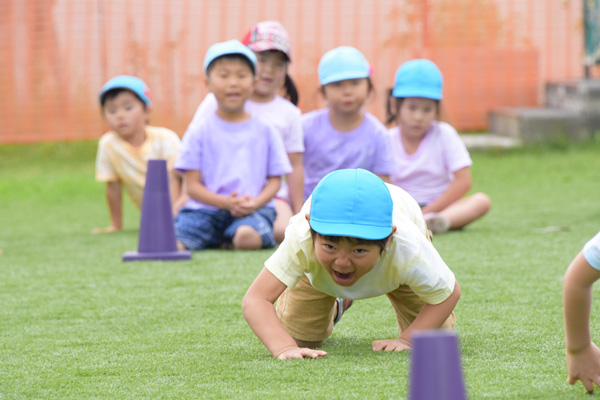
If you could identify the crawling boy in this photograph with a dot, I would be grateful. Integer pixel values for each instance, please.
(356, 237)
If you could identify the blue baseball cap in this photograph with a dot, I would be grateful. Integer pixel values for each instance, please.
(136, 85)
(352, 202)
(418, 78)
(229, 47)
(343, 63)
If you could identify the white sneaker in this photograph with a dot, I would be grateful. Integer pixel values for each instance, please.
(436, 223)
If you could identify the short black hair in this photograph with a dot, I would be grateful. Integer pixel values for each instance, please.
(393, 114)
(235, 56)
(112, 93)
(336, 239)
(369, 82)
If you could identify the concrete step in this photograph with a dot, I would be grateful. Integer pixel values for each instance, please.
(488, 141)
(530, 125)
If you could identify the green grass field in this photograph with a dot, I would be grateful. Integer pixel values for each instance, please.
(78, 323)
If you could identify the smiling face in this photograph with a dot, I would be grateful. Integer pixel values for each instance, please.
(231, 80)
(126, 115)
(346, 260)
(271, 68)
(416, 115)
(347, 96)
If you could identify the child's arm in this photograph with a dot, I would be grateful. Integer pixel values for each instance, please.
(457, 189)
(583, 356)
(260, 314)
(197, 191)
(430, 317)
(177, 191)
(247, 205)
(114, 198)
(385, 178)
(295, 181)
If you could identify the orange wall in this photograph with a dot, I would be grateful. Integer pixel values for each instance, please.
(56, 54)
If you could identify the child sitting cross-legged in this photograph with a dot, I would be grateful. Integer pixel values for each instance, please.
(356, 237)
(232, 161)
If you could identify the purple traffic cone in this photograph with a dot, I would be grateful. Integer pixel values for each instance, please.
(157, 230)
(436, 372)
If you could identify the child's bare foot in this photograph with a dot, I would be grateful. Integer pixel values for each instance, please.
(108, 229)
(181, 246)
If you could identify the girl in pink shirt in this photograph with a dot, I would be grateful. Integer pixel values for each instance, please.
(432, 162)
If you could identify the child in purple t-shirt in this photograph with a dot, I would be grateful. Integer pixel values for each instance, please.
(233, 162)
(343, 135)
(432, 162)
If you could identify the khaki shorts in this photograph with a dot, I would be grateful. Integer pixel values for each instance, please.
(307, 313)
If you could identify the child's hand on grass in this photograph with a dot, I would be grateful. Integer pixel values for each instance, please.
(300, 352)
(108, 229)
(391, 345)
(584, 366)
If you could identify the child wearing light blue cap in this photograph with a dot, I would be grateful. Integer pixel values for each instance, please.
(432, 162)
(124, 151)
(343, 135)
(232, 161)
(356, 237)
(583, 355)
(270, 43)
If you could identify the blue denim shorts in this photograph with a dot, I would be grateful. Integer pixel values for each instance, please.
(199, 229)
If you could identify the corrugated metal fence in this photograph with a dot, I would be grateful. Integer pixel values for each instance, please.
(56, 54)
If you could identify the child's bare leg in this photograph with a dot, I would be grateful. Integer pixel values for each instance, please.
(284, 213)
(466, 210)
(181, 246)
(246, 238)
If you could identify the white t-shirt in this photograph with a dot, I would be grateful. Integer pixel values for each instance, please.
(410, 259)
(591, 251)
(428, 172)
(280, 114)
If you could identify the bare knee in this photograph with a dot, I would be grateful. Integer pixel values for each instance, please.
(482, 201)
(310, 345)
(246, 238)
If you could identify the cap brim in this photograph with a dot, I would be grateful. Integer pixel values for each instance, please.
(344, 76)
(417, 93)
(267, 46)
(368, 232)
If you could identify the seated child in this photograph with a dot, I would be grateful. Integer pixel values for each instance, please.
(583, 356)
(232, 161)
(356, 237)
(270, 43)
(123, 153)
(432, 162)
(343, 135)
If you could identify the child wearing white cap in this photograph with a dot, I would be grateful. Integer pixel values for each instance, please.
(270, 43)
(343, 135)
(583, 355)
(232, 161)
(356, 237)
(124, 151)
(432, 162)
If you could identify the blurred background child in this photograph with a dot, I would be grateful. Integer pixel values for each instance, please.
(343, 135)
(270, 43)
(583, 356)
(432, 162)
(233, 162)
(123, 153)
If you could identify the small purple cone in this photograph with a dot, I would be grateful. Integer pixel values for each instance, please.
(436, 372)
(157, 231)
